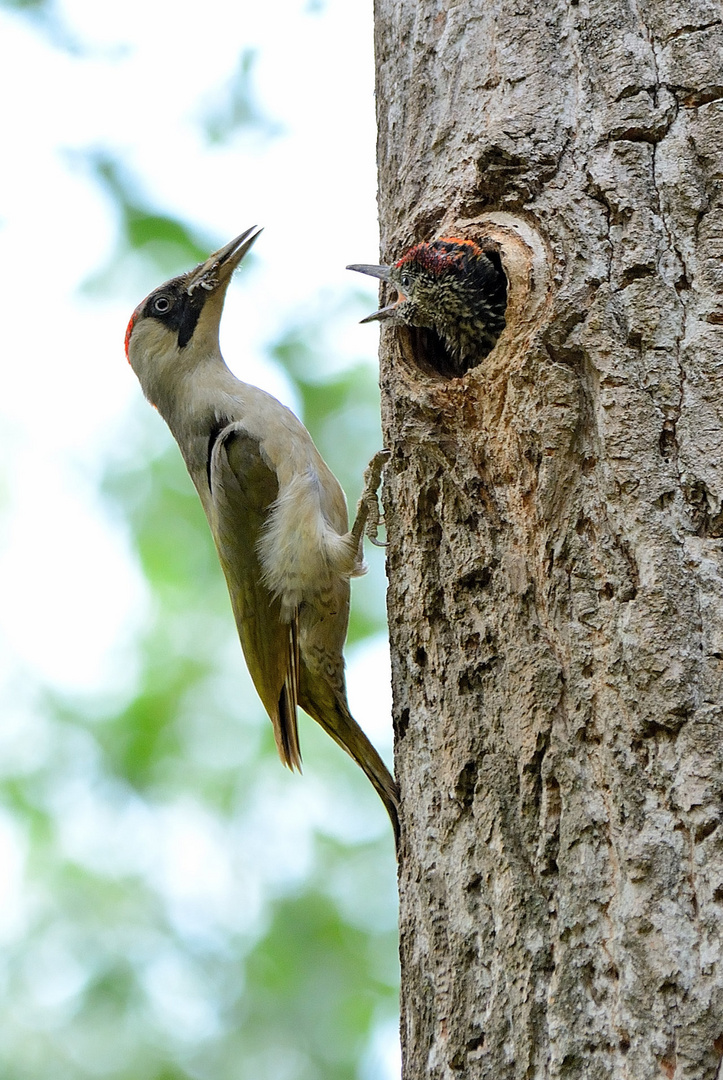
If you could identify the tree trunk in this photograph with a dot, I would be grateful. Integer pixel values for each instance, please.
(555, 556)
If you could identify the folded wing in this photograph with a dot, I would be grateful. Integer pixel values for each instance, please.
(243, 488)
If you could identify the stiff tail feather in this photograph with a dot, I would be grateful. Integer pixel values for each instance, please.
(286, 729)
(334, 716)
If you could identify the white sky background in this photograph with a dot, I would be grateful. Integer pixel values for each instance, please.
(70, 591)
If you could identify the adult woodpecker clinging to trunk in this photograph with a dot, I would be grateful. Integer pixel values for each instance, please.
(276, 511)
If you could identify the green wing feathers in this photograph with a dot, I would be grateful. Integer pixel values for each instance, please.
(243, 487)
(294, 656)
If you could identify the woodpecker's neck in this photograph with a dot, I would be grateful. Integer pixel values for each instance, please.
(169, 374)
(187, 389)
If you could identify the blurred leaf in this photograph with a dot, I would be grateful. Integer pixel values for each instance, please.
(27, 5)
(166, 244)
(315, 994)
(44, 16)
(235, 108)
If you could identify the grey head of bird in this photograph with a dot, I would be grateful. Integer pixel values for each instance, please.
(183, 310)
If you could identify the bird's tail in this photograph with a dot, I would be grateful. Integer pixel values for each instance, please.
(332, 713)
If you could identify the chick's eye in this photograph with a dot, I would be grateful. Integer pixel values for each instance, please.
(406, 281)
(161, 304)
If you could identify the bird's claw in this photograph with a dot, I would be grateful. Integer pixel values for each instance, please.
(368, 514)
(374, 520)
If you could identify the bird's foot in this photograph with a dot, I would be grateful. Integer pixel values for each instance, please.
(368, 515)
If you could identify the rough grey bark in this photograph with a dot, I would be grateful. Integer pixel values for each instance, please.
(555, 555)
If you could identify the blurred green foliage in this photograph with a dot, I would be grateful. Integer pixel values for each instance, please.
(199, 911)
(151, 243)
(235, 109)
(194, 911)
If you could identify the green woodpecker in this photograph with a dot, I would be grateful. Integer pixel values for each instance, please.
(276, 511)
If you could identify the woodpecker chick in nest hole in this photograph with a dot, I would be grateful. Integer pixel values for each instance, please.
(451, 286)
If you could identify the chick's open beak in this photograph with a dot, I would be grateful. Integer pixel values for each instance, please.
(381, 272)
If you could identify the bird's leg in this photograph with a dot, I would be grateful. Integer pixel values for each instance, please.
(368, 516)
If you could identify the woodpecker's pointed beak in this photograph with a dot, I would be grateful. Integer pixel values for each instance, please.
(381, 314)
(218, 268)
(381, 272)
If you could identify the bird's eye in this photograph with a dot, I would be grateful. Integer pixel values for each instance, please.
(161, 304)
(406, 280)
